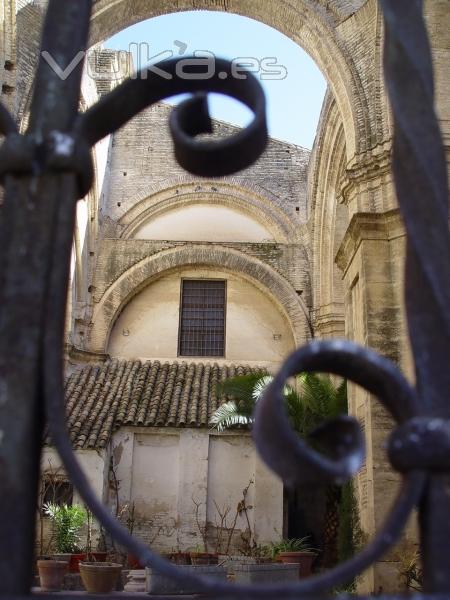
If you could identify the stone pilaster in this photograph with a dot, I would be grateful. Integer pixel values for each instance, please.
(371, 258)
(329, 321)
(268, 504)
(367, 184)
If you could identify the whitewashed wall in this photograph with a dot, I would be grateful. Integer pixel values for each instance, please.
(167, 472)
(257, 331)
(95, 466)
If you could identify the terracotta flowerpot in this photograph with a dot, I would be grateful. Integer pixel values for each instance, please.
(133, 562)
(204, 558)
(304, 560)
(179, 558)
(62, 557)
(75, 560)
(99, 578)
(96, 557)
(51, 574)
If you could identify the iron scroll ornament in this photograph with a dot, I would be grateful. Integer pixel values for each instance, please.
(67, 150)
(285, 453)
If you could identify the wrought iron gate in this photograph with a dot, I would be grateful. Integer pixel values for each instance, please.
(47, 169)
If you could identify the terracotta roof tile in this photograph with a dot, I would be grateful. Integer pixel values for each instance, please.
(99, 400)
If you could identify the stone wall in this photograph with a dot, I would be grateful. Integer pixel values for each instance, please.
(150, 268)
(179, 480)
(142, 163)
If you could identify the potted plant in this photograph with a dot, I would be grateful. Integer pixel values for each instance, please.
(126, 515)
(262, 554)
(298, 551)
(199, 557)
(68, 522)
(178, 557)
(51, 574)
(99, 577)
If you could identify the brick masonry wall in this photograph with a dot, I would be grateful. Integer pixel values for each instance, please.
(142, 162)
(117, 256)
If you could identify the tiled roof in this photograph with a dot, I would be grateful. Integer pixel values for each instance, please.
(100, 399)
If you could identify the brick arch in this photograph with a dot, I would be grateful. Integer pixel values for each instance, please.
(261, 208)
(140, 275)
(311, 24)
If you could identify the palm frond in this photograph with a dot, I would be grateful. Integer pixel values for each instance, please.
(228, 415)
(316, 399)
(240, 388)
(341, 396)
(260, 386)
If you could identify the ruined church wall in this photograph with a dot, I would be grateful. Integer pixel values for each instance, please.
(178, 479)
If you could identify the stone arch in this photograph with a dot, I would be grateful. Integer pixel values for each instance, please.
(141, 274)
(316, 25)
(330, 220)
(260, 207)
(311, 24)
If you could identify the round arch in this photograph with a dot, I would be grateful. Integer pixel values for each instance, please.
(143, 273)
(309, 23)
(313, 24)
(260, 207)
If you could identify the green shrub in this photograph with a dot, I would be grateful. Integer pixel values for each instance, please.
(67, 521)
(291, 545)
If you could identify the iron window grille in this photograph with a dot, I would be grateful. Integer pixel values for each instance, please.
(202, 318)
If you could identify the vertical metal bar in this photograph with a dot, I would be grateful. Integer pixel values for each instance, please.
(421, 180)
(56, 100)
(27, 227)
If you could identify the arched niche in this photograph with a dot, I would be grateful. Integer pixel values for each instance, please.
(197, 256)
(204, 222)
(257, 331)
(249, 203)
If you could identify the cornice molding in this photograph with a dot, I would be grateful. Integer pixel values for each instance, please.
(368, 226)
(80, 356)
(371, 165)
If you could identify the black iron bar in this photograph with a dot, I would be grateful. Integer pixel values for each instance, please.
(421, 180)
(27, 220)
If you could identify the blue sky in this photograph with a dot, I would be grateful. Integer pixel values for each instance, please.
(294, 102)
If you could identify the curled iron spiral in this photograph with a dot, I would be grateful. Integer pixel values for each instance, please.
(290, 457)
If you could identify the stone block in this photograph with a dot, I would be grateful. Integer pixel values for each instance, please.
(265, 573)
(159, 584)
(136, 581)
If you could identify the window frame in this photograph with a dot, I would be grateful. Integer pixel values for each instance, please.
(47, 483)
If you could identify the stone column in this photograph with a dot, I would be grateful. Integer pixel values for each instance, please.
(371, 258)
